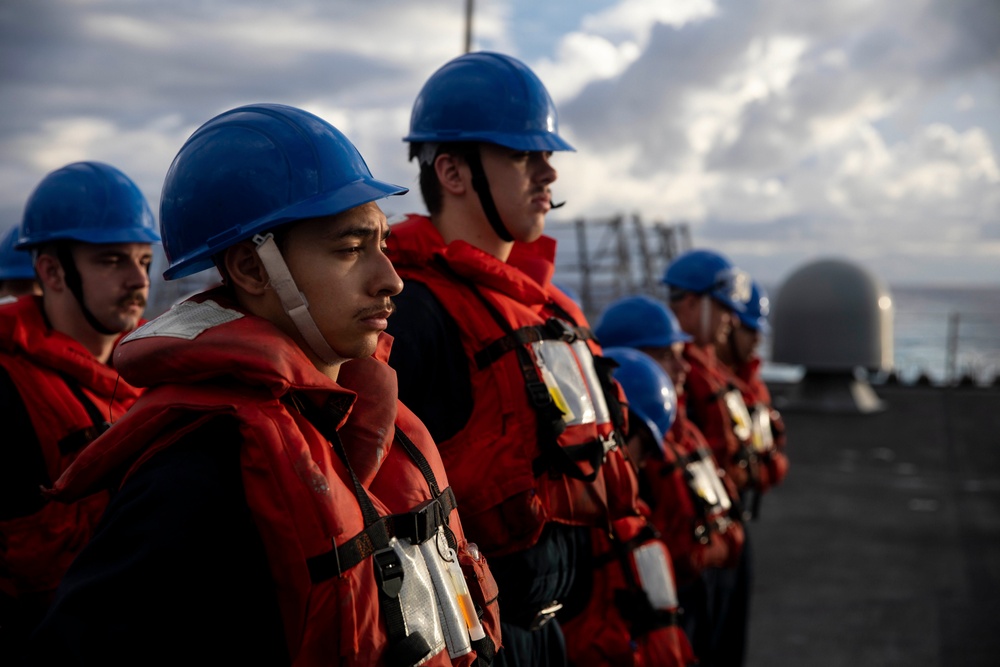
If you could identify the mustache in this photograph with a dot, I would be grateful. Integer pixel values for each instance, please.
(552, 203)
(373, 311)
(137, 297)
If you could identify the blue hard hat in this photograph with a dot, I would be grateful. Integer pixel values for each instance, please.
(648, 389)
(90, 202)
(639, 321)
(14, 264)
(252, 169)
(757, 310)
(709, 272)
(486, 97)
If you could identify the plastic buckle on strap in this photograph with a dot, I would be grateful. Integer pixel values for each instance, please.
(561, 329)
(539, 394)
(388, 572)
(544, 615)
(426, 520)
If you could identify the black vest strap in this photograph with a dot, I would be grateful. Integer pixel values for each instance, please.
(553, 329)
(77, 440)
(417, 525)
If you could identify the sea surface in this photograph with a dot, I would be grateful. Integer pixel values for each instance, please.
(926, 318)
(941, 334)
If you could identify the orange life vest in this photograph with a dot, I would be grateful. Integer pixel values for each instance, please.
(327, 539)
(69, 397)
(769, 442)
(699, 533)
(628, 620)
(716, 407)
(532, 451)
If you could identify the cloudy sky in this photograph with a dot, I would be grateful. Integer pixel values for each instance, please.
(779, 130)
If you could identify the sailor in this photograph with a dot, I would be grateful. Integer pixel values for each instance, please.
(739, 357)
(17, 272)
(496, 360)
(706, 293)
(688, 493)
(90, 232)
(632, 616)
(273, 506)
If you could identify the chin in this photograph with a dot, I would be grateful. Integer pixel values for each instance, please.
(361, 350)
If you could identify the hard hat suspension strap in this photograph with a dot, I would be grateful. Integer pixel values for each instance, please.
(292, 300)
(482, 187)
(64, 252)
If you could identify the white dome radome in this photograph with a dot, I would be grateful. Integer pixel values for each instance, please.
(833, 315)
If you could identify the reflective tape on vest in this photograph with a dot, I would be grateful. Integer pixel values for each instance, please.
(763, 437)
(437, 555)
(739, 414)
(417, 598)
(654, 575)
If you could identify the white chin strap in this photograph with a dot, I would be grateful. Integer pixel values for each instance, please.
(706, 317)
(292, 300)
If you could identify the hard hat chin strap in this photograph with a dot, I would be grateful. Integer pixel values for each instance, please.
(71, 274)
(482, 187)
(292, 300)
(706, 317)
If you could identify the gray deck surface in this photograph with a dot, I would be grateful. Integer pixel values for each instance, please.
(882, 547)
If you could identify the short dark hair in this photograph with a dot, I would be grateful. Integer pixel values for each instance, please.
(430, 187)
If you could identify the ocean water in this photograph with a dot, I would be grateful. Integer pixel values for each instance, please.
(927, 319)
(941, 334)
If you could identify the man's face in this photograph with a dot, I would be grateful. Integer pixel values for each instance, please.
(745, 341)
(519, 182)
(671, 360)
(706, 320)
(115, 280)
(339, 263)
(720, 323)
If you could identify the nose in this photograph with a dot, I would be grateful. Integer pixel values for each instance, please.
(138, 274)
(545, 173)
(387, 281)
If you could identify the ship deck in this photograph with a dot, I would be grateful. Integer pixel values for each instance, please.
(882, 547)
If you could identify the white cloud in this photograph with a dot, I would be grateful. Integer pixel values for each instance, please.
(779, 129)
(630, 20)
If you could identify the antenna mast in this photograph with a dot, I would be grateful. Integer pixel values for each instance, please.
(468, 25)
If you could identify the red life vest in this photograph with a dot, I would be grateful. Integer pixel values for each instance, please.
(716, 407)
(528, 454)
(318, 531)
(623, 622)
(771, 453)
(68, 396)
(698, 533)
(393, 479)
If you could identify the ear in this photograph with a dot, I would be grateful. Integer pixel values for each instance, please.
(450, 174)
(682, 306)
(50, 272)
(244, 268)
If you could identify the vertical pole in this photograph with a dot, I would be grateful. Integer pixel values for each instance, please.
(468, 25)
(952, 360)
(648, 279)
(586, 295)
